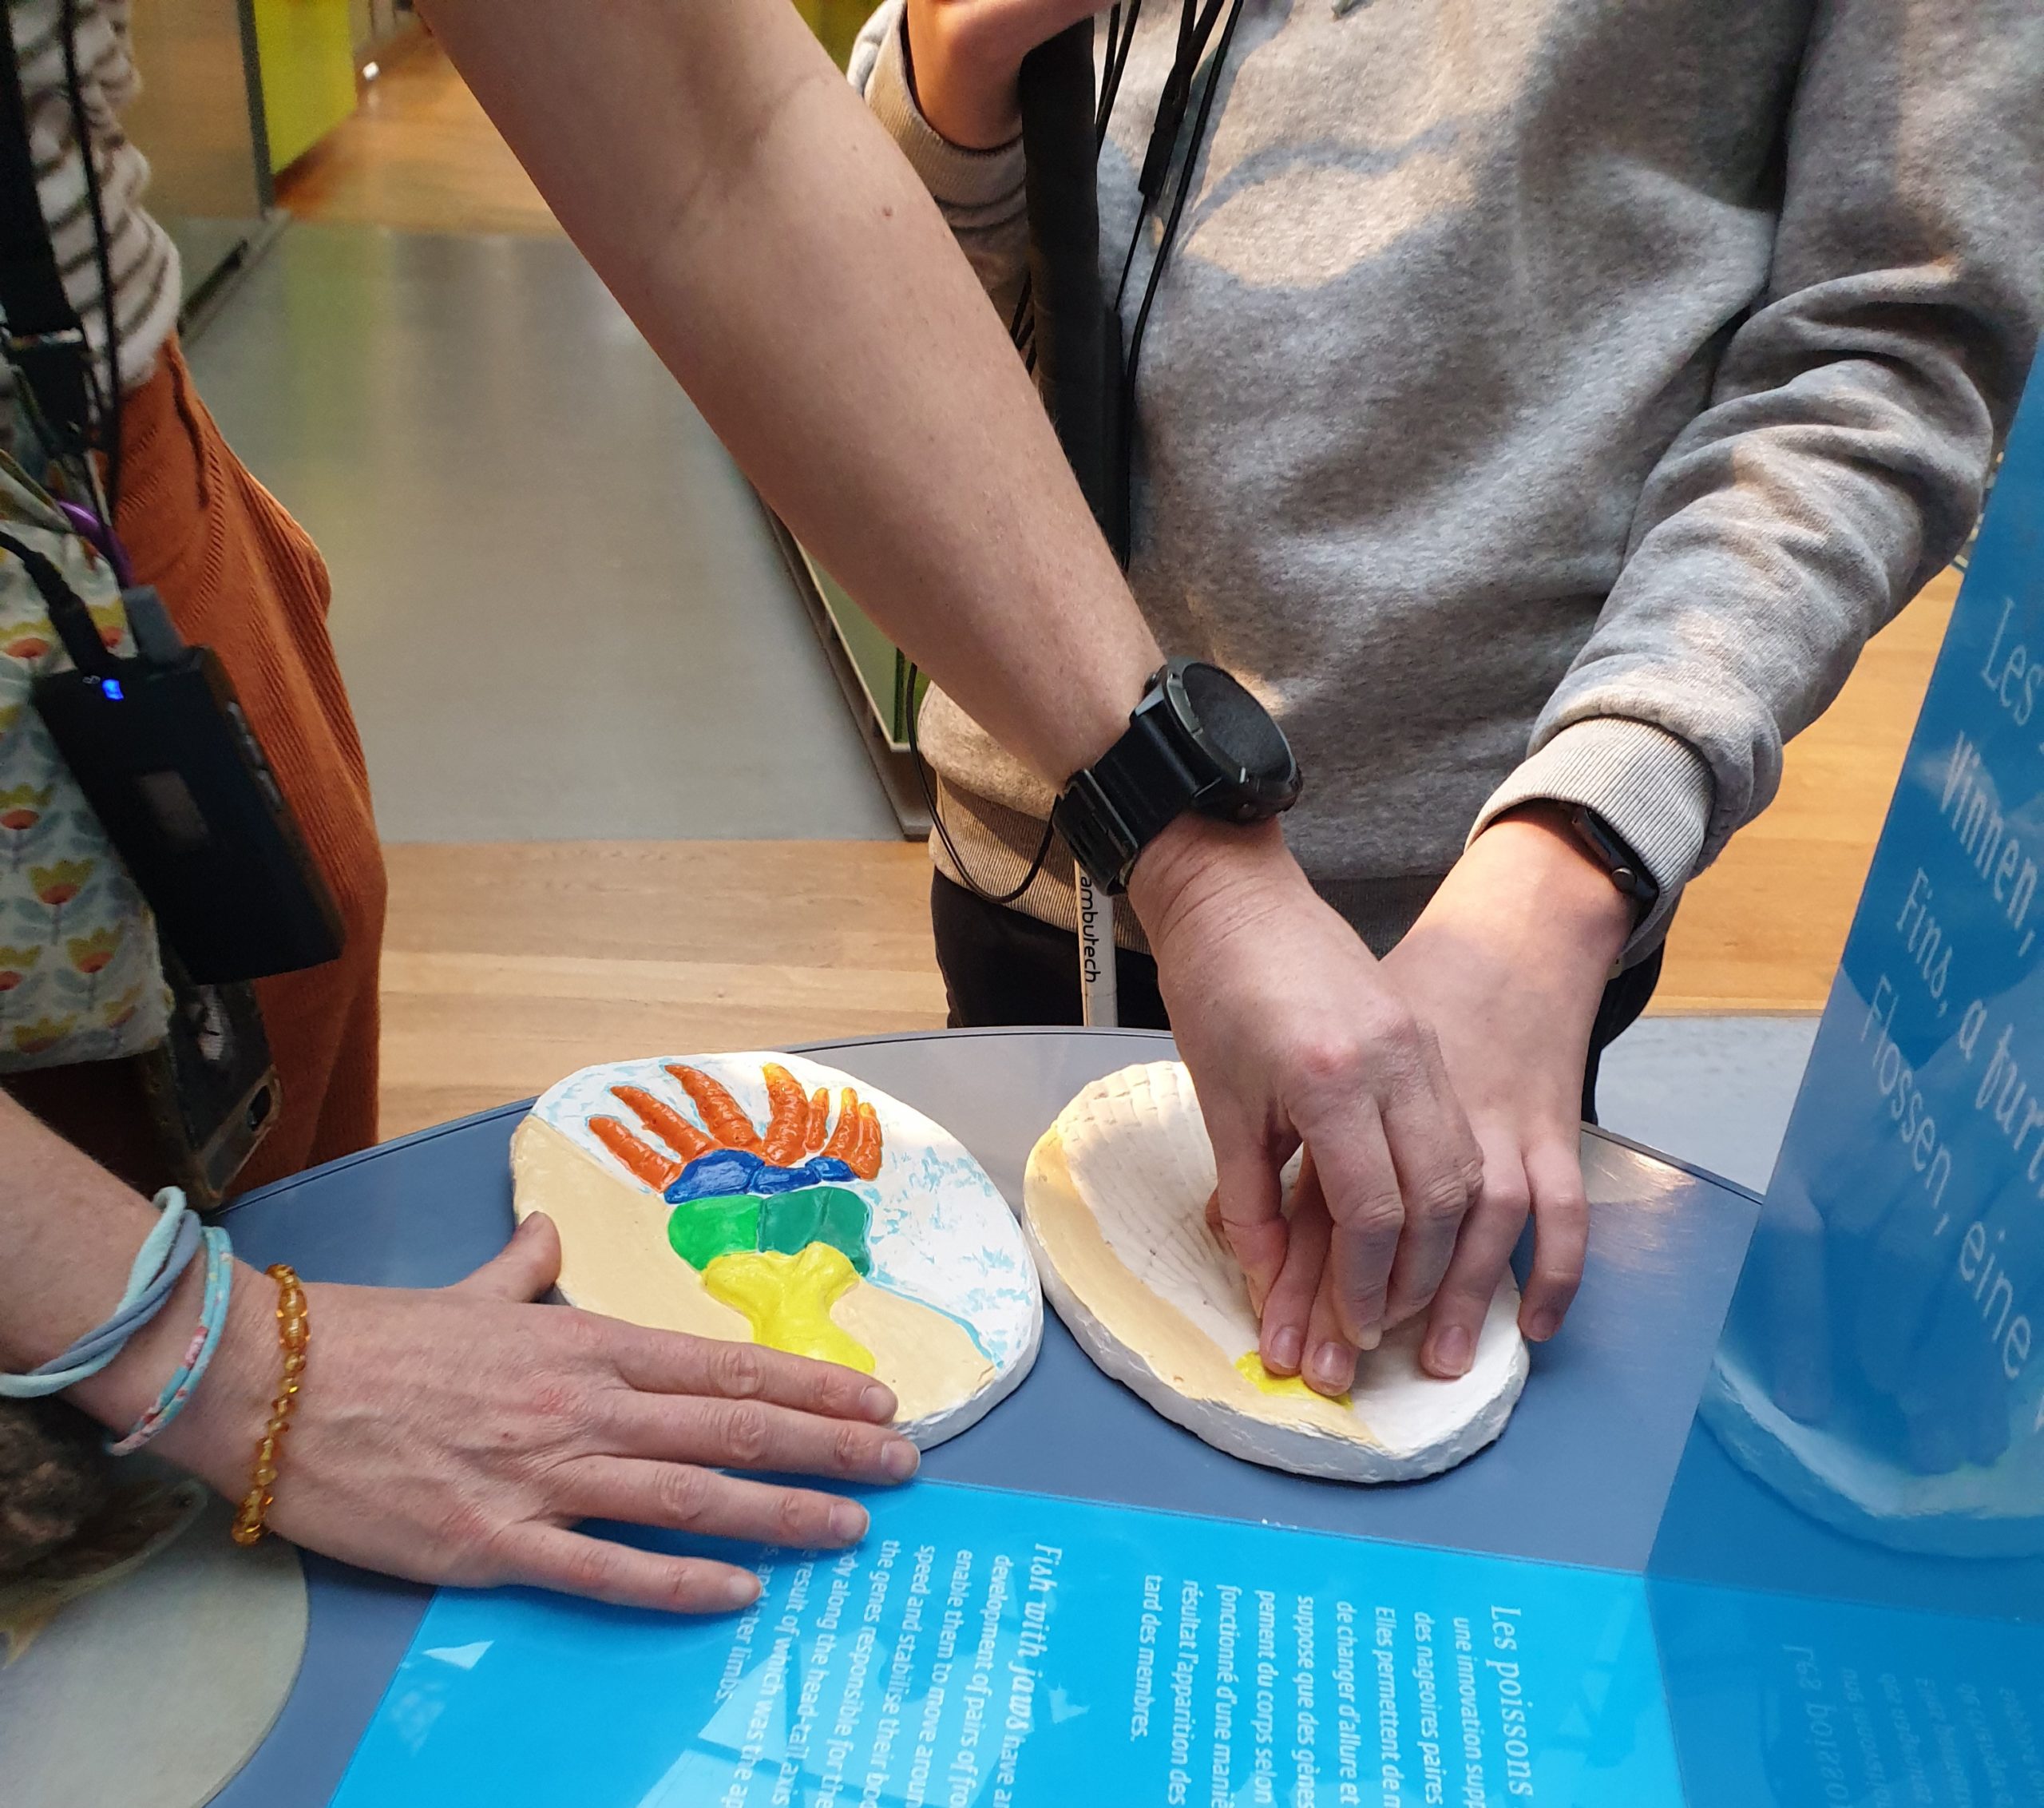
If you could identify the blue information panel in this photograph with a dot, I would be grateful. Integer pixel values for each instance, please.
(1783, 1699)
(984, 1649)
(1848, 1583)
(1889, 1331)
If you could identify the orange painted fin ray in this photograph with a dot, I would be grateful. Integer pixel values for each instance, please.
(642, 1160)
(787, 1125)
(844, 1139)
(721, 1113)
(664, 1121)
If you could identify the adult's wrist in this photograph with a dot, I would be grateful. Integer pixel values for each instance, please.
(1535, 849)
(214, 1434)
(1199, 878)
(1655, 790)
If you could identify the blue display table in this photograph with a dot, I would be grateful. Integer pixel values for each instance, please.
(1580, 1477)
(1797, 1564)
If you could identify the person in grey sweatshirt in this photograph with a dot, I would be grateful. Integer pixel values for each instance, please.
(1544, 403)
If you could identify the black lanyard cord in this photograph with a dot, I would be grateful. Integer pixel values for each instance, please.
(944, 834)
(1195, 32)
(1196, 25)
(1184, 190)
(1121, 33)
(68, 614)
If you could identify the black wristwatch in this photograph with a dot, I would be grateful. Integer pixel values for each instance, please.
(1628, 871)
(1197, 741)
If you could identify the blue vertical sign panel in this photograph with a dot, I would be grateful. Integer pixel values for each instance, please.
(1867, 1470)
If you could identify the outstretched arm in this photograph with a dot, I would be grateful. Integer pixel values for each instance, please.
(789, 268)
(456, 1434)
(732, 190)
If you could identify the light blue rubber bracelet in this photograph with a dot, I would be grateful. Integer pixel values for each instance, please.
(198, 1354)
(166, 1252)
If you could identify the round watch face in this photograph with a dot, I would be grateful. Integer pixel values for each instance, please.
(1258, 776)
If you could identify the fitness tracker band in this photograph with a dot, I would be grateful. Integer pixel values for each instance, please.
(1627, 871)
(1197, 741)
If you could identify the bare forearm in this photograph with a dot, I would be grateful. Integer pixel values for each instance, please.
(69, 1232)
(415, 1447)
(791, 271)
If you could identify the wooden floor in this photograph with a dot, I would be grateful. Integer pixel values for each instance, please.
(1762, 930)
(507, 966)
(419, 154)
(510, 966)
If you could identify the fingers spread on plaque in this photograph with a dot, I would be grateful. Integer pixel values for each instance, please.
(545, 1556)
(757, 1434)
(1490, 1233)
(1286, 1312)
(686, 1498)
(1561, 1235)
(669, 1363)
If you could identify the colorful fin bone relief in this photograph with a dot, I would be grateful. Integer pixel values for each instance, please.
(767, 1198)
(762, 1215)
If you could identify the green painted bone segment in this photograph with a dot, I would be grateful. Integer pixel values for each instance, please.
(836, 1215)
(702, 1230)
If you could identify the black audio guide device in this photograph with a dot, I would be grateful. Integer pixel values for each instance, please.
(162, 749)
(179, 780)
(166, 758)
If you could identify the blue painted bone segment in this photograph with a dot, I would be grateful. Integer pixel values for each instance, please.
(725, 1173)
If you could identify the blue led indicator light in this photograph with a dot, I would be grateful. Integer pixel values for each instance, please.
(112, 688)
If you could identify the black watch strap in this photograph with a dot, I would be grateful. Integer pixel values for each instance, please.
(1109, 813)
(1198, 740)
(1628, 871)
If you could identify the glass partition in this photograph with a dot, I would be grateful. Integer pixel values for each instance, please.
(1848, 1586)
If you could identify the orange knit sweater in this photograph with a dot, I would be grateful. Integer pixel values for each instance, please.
(239, 575)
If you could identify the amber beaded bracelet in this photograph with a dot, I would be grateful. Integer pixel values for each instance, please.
(294, 1332)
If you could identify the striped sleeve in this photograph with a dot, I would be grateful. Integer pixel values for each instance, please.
(143, 261)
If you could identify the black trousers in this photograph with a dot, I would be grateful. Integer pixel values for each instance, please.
(1001, 967)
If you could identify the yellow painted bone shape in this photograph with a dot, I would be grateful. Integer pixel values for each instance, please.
(787, 1299)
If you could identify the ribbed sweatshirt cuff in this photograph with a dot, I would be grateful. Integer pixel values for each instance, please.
(1653, 788)
(955, 177)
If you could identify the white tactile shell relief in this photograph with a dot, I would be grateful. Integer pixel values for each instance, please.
(1115, 1212)
(1973, 1509)
(699, 1193)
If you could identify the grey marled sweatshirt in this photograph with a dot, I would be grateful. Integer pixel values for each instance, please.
(1545, 397)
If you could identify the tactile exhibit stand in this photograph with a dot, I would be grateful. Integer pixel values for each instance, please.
(1819, 1587)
